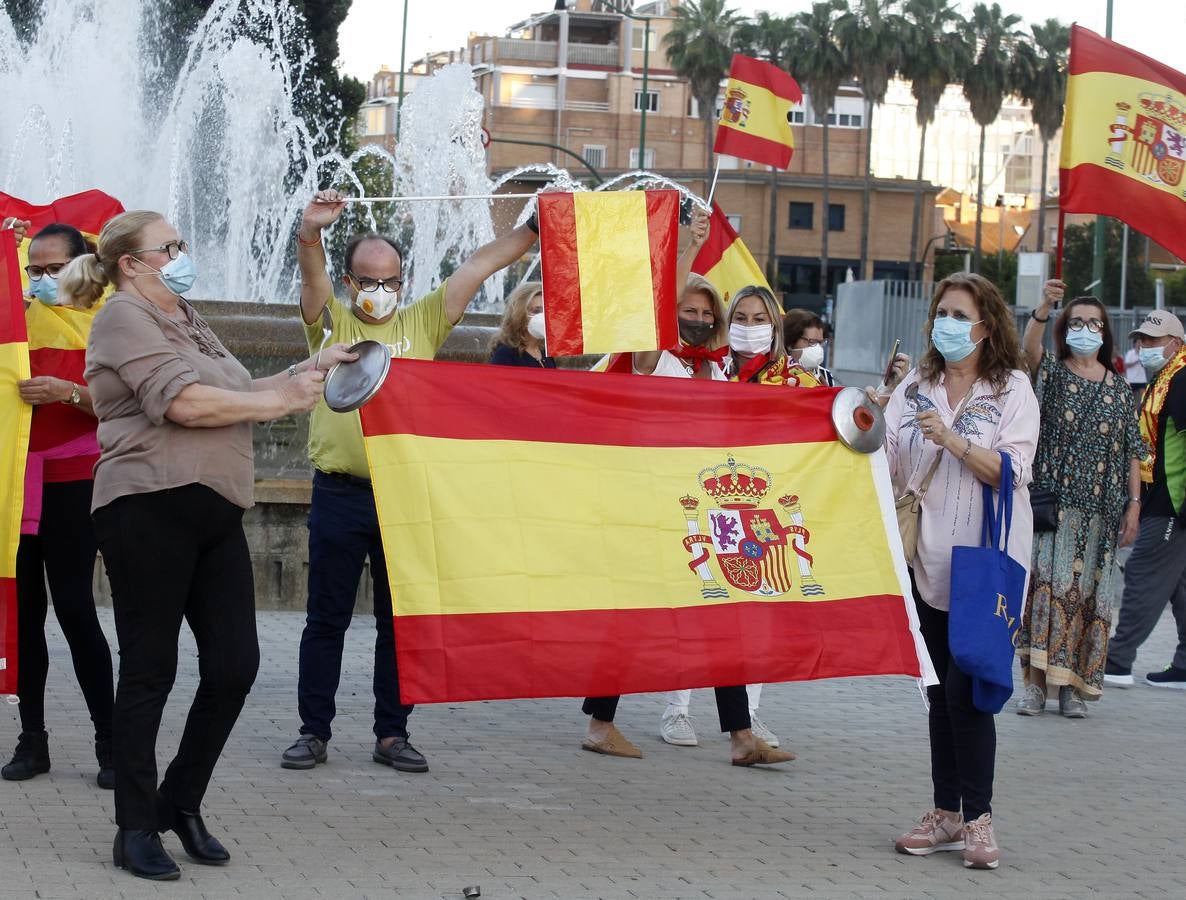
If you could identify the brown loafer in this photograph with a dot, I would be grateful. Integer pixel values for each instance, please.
(614, 744)
(764, 755)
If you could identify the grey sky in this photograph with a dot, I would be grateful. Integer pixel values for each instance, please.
(370, 36)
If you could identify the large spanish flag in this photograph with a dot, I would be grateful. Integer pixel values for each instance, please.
(1124, 139)
(725, 260)
(755, 121)
(87, 211)
(608, 264)
(555, 534)
(14, 444)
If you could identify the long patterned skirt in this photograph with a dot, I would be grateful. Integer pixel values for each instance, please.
(1074, 581)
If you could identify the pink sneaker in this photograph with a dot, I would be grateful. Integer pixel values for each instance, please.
(980, 846)
(937, 830)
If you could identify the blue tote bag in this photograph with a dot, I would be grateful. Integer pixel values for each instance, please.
(987, 588)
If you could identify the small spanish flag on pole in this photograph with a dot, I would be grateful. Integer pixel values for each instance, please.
(556, 535)
(725, 260)
(1124, 139)
(755, 120)
(608, 264)
(14, 445)
(88, 211)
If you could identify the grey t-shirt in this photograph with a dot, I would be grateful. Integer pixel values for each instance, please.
(137, 361)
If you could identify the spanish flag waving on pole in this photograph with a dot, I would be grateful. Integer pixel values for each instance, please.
(14, 444)
(554, 534)
(755, 120)
(1124, 139)
(725, 260)
(608, 264)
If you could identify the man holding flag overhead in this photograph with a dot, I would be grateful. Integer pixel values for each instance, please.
(343, 530)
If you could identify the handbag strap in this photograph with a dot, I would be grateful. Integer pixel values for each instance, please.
(998, 515)
(926, 482)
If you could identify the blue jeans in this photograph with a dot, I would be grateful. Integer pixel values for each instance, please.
(343, 532)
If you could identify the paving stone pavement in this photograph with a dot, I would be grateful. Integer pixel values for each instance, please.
(1083, 808)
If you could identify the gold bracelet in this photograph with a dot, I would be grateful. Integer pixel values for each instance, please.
(304, 243)
(967, 450)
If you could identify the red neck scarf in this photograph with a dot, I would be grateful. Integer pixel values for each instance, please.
(753, 366)
(693, 356)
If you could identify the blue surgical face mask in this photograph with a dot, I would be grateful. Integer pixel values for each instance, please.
(1084, 342)
(45, 289)
(953, 338)
(1153, 359)
(179, 274)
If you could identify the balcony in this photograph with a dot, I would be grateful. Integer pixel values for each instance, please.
(544, 52)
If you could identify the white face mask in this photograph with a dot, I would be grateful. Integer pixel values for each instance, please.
(535, 326)
(751, 338)
(811, 357)
(378, 302)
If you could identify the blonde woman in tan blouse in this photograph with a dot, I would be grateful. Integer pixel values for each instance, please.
(174, 475)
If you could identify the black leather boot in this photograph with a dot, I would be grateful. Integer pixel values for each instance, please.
(141, 853)
(31, 757)
(106, 777)
(197, 841)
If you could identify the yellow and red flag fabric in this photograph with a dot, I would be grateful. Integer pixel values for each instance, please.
(14, 443)
(608, 264)
(1124, 139)
(87, 211)
(725, 260)
(755, 121)
(555, 534)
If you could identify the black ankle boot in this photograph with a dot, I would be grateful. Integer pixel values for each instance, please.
(31, 757)
(198, 844)
(141, 853)
(106, 777)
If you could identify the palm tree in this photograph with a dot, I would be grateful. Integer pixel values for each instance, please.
(700, 48)
(934, 57)
(1041, 80)
(988, 80)
(820, 66)
(768, 37)
(871, 37)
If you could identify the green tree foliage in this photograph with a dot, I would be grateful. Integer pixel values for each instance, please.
(1078, 245)
(24, 15)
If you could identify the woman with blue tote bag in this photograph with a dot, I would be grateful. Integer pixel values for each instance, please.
(949, 424)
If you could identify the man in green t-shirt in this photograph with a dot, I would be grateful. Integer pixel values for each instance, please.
(343, 526)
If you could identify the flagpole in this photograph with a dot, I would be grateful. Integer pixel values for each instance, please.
(1062, 221)
(715, 172)
(437, 197)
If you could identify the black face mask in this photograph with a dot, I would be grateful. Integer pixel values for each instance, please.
(695, 333)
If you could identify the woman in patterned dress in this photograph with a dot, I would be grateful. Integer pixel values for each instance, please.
(1088, 454)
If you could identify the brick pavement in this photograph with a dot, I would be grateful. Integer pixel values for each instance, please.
(1083, 808)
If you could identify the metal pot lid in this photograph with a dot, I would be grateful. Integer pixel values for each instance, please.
(351, 384)
(859, 422)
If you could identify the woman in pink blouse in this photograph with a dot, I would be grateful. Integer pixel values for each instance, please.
(968, 399)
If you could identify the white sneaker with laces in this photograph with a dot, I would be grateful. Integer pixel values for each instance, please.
(676, 728)
(761, 729)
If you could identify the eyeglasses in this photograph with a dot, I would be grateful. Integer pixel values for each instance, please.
(815, 342)
(36, 273)
(1095, 326)
(173, 248)
(366, 285)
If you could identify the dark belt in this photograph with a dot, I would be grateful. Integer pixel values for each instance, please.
(352, 480)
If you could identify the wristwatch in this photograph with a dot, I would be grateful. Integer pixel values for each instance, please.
(75, 396)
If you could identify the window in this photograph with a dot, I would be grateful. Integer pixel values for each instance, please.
(802, 215)
(637, 36)
(835, 217)
(594, 155)
(648, 160)
(376, 120)
(652, 101)
(734, 222)
(797, 117)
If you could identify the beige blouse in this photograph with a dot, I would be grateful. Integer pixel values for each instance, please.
(137, 361)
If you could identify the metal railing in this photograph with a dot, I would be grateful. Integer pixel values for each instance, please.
(547, 52)
(535, 51)
(594, 54)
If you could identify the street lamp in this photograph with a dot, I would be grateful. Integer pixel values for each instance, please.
(646, 65)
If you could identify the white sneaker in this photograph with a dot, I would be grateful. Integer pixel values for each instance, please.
(761, 730)
(676, 728)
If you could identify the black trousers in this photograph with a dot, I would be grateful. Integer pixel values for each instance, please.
(732, 708)
(173, 555)
(63, 550)
(963, 739)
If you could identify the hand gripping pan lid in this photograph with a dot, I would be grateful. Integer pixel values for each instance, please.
(859, 422)
(351, 384)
